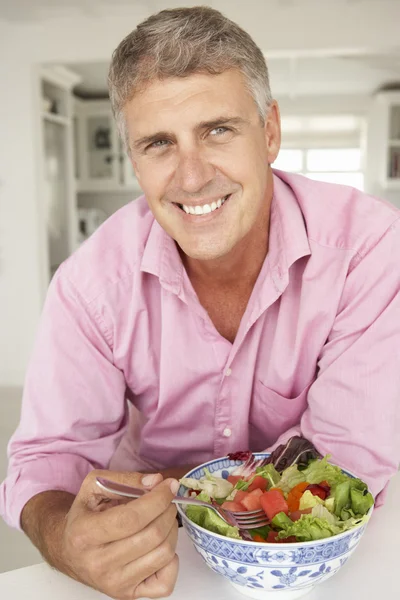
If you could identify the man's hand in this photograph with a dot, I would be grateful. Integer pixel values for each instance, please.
(125, 549)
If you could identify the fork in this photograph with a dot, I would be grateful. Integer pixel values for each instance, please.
(243, 520)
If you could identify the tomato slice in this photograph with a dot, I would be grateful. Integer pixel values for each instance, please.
(276, 489)
(233, 506)
(296, 514)
(257, 493)
(233, 479)
(252, 502)
(258, 483)
(318, 490)
(240, 495)
(272, 503)
(271, 537)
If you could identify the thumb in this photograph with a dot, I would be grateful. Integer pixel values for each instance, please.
(91, 495)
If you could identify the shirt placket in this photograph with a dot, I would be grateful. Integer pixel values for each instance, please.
(228, 434)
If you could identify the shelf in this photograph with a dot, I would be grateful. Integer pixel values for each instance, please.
(53, 118)
(108, 189)
(392, 184)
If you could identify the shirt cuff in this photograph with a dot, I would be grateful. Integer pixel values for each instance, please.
(64, 472)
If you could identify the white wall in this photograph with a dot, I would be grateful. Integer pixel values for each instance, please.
(309, 25)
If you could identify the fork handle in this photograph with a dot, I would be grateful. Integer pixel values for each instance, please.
(131, 492)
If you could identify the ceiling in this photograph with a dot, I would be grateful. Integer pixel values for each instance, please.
(290, 76)
(361, 72)
(31, 10)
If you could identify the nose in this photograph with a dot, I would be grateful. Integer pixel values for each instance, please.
(193, 171)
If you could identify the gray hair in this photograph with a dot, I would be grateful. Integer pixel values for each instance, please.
(178, 43)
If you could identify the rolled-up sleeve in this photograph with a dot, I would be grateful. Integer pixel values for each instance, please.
(73, 410)
(353, 410)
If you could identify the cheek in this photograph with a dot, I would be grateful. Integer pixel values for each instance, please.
(153, 180)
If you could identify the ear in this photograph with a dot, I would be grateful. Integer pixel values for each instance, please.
(135, 168)
(272, 130)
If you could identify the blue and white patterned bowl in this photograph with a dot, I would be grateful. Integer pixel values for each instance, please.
(276, 571)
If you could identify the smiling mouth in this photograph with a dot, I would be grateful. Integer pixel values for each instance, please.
(203, 209)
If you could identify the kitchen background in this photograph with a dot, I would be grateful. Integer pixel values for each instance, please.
(334, 68)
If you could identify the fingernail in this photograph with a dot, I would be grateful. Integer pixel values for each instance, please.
(174, 485)
(149, 480)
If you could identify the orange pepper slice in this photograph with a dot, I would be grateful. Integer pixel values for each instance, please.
(258, 538)
(295, 494)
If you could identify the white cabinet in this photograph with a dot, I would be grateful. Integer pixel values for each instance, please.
(102, 164)
(57, 198)
(383, 153)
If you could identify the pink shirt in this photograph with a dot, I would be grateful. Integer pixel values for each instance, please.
(122, 330)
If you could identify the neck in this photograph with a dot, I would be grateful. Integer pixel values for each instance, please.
(241, 266)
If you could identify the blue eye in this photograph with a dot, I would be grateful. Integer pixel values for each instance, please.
(219, 130)
(159, 144)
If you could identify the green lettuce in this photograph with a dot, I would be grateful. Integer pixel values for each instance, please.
(291, 477)
(322, 470)
(309, 528)
(216, 487)
(262, 531)
(308, 500)
(352, 499)
(207, 518)
(270, 473)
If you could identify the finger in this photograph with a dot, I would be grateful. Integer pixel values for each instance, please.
(150, 481)
(123, 552)
(161, 583)
(141, 569)
(120, 522)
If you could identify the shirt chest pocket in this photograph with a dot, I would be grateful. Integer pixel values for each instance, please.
(271, 414)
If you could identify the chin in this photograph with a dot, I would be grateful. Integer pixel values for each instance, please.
(204, 253)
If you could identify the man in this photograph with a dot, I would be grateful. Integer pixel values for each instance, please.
(232, 307)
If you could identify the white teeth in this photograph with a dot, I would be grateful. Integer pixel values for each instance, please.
(205, 209)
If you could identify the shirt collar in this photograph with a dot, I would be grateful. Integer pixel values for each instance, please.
(161, 258)
(288, 242)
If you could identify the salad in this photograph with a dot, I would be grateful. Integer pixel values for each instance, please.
(308, 500)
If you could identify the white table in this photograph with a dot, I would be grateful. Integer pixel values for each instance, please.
(373, 572)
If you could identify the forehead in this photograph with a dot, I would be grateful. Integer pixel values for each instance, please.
(179, 100)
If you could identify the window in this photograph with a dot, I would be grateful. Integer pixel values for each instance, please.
(334, 165)
(325, 147)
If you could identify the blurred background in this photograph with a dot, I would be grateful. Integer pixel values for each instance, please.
(334, 68)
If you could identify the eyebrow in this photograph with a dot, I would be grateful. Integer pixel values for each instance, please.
(217, 122)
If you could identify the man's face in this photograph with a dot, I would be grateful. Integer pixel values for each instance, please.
(201, 156)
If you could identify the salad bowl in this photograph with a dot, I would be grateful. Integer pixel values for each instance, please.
(261, 570)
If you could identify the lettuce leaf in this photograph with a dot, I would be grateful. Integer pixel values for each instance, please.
(270, 473)
(352, 499)
(308, 500)
(216, 487)
(291, 477)
(207, 518)
(322, 470)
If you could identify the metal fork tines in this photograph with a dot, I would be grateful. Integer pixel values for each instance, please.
(242, 520)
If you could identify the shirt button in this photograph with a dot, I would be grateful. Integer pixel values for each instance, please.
(228, 372)
(227, 432)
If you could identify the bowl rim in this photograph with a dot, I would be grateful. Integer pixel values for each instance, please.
(270, 545)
